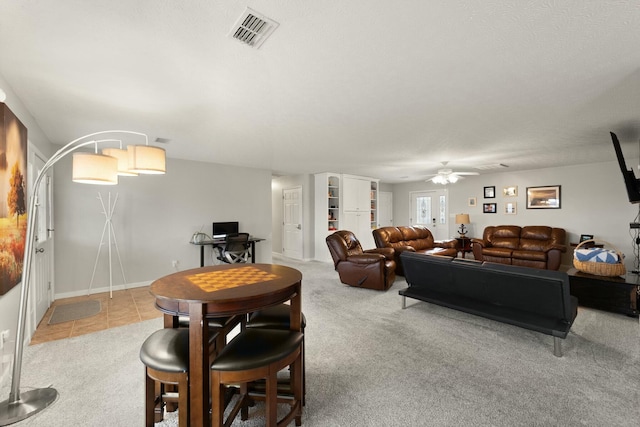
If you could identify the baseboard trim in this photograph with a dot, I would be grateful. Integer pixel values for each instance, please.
(101, 290)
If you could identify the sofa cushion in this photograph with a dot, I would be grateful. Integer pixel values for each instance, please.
(439, 251)
(529, 255)
(497, 252)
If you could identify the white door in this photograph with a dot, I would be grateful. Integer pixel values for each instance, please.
(292, 239)
(429, 208)
(385, 209)
(42, 273)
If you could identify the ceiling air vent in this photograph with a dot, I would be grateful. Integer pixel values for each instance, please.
(491, 167)
(252, 28)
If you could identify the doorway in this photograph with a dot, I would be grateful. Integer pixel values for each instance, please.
(42, 268)
(385, 209)
(429, 209)
(292, 237)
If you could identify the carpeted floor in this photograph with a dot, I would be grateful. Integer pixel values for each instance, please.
(370, 363)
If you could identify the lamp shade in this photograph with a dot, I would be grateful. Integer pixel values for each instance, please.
(462, 219)
(91, 168)
(146, 159)
(123, 160)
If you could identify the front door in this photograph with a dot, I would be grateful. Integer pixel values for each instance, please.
(292, 240)
(429, 209)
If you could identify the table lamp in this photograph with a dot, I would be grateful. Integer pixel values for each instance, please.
(462, 219)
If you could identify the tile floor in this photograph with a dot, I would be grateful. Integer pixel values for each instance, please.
(126, 306)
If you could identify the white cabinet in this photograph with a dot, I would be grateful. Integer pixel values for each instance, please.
(356, 194)
(344, 202)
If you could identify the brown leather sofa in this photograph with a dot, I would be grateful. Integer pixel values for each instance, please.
(414, 239)
(531, 246)
(372, 268)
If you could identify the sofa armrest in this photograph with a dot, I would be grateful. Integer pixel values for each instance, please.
(365, 258)
(452, 243)
(483, 243)
(388, 253)
(561, 248)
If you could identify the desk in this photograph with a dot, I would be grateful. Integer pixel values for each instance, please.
(219, 291)
(218, 243)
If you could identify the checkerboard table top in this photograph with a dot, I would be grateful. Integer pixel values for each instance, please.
(211, 281)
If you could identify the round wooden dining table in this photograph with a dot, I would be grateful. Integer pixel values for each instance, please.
(221, 291)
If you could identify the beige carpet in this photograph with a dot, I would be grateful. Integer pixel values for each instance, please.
(74, 311)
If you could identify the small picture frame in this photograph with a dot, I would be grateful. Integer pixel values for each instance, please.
(472, 201)
(490, 192)
(510, 208)
(510, 191)
(489, 208)
(585, 237)
(547, 197)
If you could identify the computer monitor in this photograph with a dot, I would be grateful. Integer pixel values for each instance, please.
(223, 229)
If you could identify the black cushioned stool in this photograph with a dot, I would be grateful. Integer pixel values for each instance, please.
(252, 355)
(278, 317)
(165, 354)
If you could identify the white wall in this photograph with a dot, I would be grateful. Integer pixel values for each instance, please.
(593, 201)
(154, 219)
(285, 182)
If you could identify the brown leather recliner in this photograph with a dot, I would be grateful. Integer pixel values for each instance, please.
(372, 268)
(414, 238)
(531, 246)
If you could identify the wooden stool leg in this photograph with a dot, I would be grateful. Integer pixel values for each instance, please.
(271, 399)
(297, 384)
(217, 400)
(244, 394)
(149, 400)
(183, 402)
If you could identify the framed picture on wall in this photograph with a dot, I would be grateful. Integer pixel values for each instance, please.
(510, 191)
(489, 192)
(510, 208)
(489, 208)
(472, 201)
(543, 197)
(585, 237)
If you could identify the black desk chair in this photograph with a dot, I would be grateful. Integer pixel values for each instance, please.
(237, 249)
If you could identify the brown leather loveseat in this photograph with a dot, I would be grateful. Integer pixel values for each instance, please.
(530, 246)
(414, 239)
(371, 268)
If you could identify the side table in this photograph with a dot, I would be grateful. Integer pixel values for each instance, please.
(464, 244)
(619, 294)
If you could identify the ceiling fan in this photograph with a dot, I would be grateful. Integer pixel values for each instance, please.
(446, 176)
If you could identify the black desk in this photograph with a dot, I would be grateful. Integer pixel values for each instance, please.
(218, 243)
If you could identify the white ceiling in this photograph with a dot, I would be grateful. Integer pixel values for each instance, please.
(387, 89)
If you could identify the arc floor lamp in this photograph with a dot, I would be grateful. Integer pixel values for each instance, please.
(89, 168)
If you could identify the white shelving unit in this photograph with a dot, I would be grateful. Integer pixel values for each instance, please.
(344, 202)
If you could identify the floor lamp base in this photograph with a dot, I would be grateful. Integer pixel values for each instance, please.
(31, 402)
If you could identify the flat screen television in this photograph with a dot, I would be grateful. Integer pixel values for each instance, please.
(631, 182)
(223, 229)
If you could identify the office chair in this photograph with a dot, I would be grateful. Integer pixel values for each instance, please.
(236, 249)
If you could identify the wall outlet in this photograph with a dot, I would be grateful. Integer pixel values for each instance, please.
(175, 263)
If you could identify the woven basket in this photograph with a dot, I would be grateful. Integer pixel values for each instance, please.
(601, 268)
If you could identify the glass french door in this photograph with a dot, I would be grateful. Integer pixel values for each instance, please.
(429, 209)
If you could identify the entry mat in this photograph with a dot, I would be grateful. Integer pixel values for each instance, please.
(74, 311)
